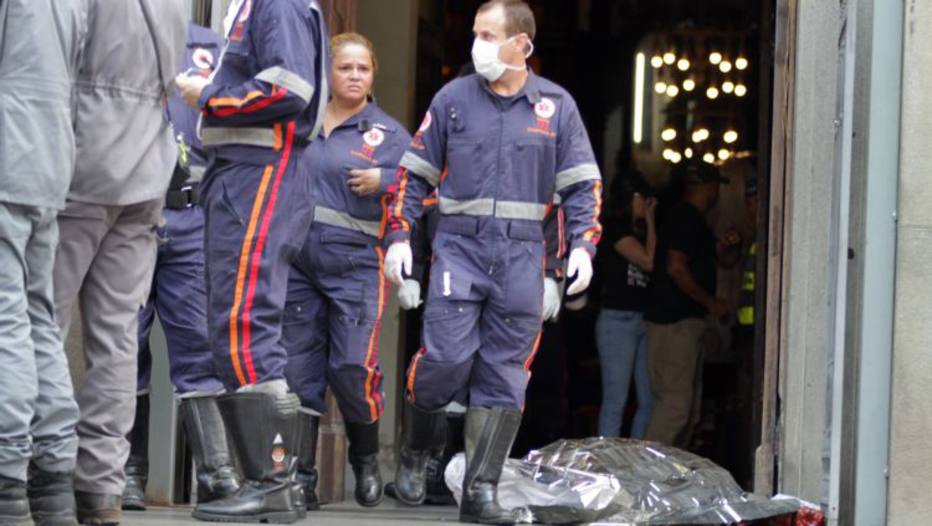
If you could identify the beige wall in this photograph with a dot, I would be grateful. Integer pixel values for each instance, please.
(392, 27)
(911, 412)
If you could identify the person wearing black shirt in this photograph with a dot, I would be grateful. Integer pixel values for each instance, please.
(682, 293)
(621, 336)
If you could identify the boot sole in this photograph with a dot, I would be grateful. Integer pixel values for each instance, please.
(133, 506)
(42, 519)
(21, 520)
(272, 517)
(392, 491)
(475, 519)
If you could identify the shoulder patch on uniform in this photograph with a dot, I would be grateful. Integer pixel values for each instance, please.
(545, 108)
(425, 124)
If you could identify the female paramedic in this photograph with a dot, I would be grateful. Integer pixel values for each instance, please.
(336, 291)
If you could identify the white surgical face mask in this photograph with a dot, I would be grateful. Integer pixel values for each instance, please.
(485, 59)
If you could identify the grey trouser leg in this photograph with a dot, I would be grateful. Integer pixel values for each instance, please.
(105, 261)
(38, 412)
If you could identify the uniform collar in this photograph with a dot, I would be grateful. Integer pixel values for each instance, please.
(530, 90)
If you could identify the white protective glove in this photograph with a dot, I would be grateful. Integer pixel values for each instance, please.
(409, 294)
(552, 299)
(580, 266)
(398, 262)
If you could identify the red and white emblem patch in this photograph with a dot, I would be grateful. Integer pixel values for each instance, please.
(203, 58)
(425, 123)
(545, 108)
(374, 137)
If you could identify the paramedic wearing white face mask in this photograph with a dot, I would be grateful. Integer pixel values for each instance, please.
(509, 140)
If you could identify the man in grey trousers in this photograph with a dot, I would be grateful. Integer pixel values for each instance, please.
(39, 45)
(125, 156)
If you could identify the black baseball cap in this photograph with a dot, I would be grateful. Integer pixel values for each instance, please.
(695, 171)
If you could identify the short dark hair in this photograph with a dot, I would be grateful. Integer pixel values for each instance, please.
(518, 16)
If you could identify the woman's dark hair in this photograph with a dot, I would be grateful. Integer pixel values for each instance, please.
(623, 188)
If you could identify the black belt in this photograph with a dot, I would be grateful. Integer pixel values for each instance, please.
(184, 197)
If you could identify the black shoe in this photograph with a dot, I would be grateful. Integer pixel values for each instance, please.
(137, 464)
(98, 509)
(489, 436)
(264, 428)
(423, 435)
(306, 478)
(207, 436)
(14, 504)
(437, 491)
(364, 457)
(51, 498)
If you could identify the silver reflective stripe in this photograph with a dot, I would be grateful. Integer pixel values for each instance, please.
(249, 136)
(577, 174)
(557, 200)
(283, 78)
(420, 167)
(197, 173)
(475, 207)
(520, 210)
(329, 216)
(488, 206)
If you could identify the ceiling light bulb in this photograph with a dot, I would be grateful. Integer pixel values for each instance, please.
(724, 154)
(728, 86)
(715, 57)
(712, 92)
(741, 90)
(676, 157)
(667, 153)
(688, 152)
(741, 63)
(704, 132)
(660, 87)
(689, 84)
(669, 58)
(725, 66)
(668, 134)
(709, 158)
(656, 61)
(730, 136)
(672, 90)
(682, 64)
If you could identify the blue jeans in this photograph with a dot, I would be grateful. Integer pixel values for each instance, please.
(621, 337)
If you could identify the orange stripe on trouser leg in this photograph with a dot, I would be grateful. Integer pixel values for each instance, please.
(260, 246)
(413, 372)
(372, 353)
(530, 359)
(241, 273)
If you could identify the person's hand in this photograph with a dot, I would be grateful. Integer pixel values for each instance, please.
(190, 88)
(718, 308)
(552, 299)
(580, 267)
(398, 261)
(651, 207)
(409, 294)
(364, 182)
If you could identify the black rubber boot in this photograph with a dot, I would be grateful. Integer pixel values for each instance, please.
(489, 436)
(14, 505)
(437, 491)
(307, 459)
(423, 435)
(137, 465)
(207, 437)
(264, 430)
(98, 509)
(51, 498)
(364, 457)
